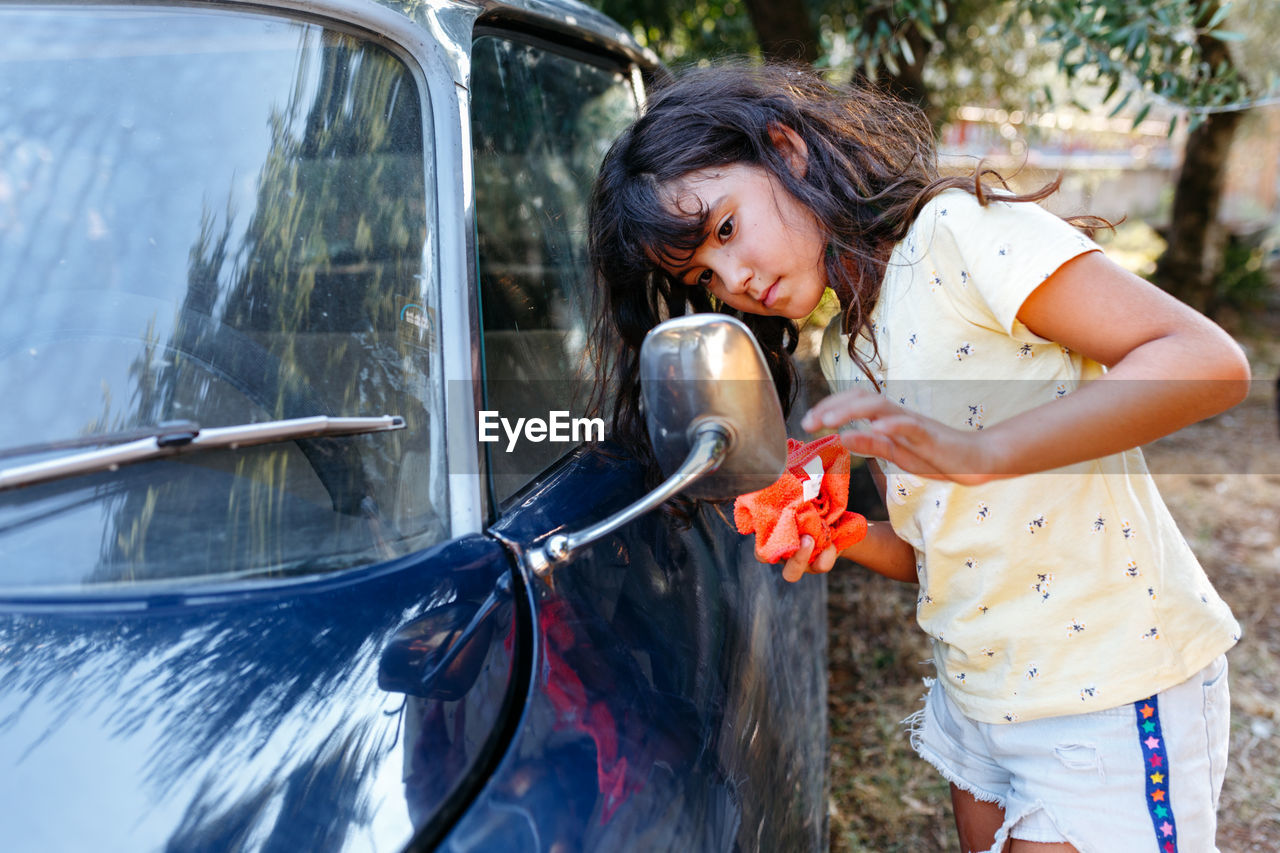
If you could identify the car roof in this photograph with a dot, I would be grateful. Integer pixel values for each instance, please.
(450, 22)
(570, 15)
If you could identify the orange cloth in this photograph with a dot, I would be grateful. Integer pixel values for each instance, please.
(781, 513)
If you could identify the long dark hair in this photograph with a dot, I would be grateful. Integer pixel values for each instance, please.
(871, 166)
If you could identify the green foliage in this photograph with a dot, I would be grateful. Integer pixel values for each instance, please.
(1163, 48)
(878, 33)
(944, 52)
(1242, 283)
(686, 30)
(958, 51)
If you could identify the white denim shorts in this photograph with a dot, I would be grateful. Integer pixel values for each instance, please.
(1141, 777)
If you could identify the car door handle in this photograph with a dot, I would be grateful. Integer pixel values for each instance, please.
(439, 654)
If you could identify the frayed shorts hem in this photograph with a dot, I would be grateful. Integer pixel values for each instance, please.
(1121, 778)
(1032, 823)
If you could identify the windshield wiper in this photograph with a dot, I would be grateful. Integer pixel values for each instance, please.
(98, 439)
(181, 438)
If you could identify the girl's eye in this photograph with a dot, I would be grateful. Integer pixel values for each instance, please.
(703, 279)
(726, 229)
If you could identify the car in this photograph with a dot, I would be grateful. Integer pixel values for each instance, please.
(308, 540)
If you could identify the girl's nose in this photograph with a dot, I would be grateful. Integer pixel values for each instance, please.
(737, 276)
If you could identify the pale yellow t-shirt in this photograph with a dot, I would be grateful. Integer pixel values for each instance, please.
(1062, 592)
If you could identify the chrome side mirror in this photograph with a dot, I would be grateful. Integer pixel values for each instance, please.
(706, 370)
(713, 415)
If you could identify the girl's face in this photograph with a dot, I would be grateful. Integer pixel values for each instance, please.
(764, 250)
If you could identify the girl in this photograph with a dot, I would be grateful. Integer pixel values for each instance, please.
(1002, 371)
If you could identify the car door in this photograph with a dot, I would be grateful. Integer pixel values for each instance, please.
(676, 697)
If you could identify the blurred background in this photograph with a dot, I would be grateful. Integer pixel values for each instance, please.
(1161, 115)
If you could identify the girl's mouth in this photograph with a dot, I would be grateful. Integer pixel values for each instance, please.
(770, 295)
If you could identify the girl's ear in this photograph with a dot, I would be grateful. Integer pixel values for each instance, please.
(792, 147)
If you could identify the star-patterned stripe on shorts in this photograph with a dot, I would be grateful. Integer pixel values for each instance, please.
(1156, 758)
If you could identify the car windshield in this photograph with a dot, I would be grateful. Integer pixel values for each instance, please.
(219, 218)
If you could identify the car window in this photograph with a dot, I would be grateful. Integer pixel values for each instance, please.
(217, 217)
(542, 120)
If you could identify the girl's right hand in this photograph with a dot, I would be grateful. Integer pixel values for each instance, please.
(798, 564)
(913, 442)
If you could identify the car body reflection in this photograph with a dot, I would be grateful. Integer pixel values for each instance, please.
(224, 214)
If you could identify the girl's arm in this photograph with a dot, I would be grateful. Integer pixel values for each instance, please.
(1169, 366)
(880, 550)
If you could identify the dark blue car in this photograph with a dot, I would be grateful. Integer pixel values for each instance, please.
(278, 570)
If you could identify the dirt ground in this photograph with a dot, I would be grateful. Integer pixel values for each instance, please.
(1221, 480)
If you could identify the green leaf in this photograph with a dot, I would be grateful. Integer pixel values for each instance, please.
(1142, 113)
(1136, 36)
(891, 63)
(904, 47)
(1217, 15)
(1120, 106)
(1227, 35)
(1111, 90)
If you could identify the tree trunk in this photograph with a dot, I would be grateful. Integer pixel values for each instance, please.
(1190, 263)
(784, 30)
(908, 84)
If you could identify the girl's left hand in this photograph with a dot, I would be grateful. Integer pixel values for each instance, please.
(798, 564)
(915, 443)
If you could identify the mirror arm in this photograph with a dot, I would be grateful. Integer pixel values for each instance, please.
(711, 441)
